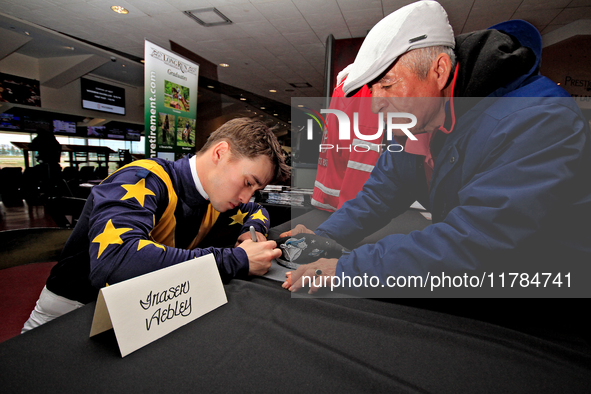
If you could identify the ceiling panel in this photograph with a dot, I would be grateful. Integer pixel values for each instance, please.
(539, 19)
(291, 25)
(365, 18)
(329, 8)
(240, 13)
(529, 5)
(355, 5)
(278, 10)
(569, 15)
(149, 7)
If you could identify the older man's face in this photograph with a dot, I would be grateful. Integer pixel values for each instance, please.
(401, 90)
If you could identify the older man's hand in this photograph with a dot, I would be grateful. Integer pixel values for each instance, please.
(299, 229)
(318, 274)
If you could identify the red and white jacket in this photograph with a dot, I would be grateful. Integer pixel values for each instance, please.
(344, 167)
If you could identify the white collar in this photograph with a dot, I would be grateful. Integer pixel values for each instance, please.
(193, 165)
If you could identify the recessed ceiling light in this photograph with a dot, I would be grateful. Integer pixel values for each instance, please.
(242, 98)
(118, 9)
(208, 17)
(301, 85)
(262, 107)
(27, 33)
(142, 61)
(274, 114)
(300, 105)
(224, 65)
(209, 86)
(272, 91)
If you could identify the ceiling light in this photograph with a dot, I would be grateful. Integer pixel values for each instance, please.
(300, 105)
(300, 85)
(208, 17)
(209, 86)
(242, 98)
(118, 9)
(224, 65)
(272, 91)
(70, 48)
(262, 107)
(275, 115)
(27, 33)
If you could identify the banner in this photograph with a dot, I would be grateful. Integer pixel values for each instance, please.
(170, 97)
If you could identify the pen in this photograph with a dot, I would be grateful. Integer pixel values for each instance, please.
(253, 235)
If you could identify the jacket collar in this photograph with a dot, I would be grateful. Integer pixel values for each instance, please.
(186, 183)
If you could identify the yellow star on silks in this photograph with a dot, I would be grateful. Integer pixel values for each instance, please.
(139, 191)
(238, 218)
(110, 235)
(259, 215)
(145, 242)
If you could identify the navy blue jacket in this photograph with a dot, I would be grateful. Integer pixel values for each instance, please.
(144, 217)
(511, 187)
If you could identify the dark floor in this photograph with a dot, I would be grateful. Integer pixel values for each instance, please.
(20, 286)
(23, 216)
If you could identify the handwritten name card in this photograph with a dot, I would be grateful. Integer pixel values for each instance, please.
(143, 309)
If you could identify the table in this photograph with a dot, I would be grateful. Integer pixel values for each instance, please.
(264, 340)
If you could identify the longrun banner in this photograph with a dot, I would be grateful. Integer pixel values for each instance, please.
(170, 85)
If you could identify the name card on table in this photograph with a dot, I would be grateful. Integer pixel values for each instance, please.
(143, 309)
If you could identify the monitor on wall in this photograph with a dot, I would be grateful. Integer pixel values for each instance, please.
(133, 135)
(64, 127)
(96, 131)
(10, 122)
(32, 123)
(102, 97)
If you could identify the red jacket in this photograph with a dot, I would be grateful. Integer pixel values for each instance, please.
(343, 171)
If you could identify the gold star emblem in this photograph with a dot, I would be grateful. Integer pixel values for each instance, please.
(137, 191)
(238, 218)
(110, 235)
(145, 242)
(259, 215)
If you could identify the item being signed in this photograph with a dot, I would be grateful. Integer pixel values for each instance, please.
(306, 248)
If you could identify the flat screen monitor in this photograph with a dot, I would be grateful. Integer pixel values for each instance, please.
(10, 122)
(96, 131)
(32, 124)
(133, 135)
(64, 127)
(100, 96)
(115, 132)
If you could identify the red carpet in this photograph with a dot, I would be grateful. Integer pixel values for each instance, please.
(19, 290)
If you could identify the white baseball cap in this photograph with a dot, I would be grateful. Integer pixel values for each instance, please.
(417, 25)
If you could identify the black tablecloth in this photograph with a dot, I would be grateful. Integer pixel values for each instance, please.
(264, 340)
